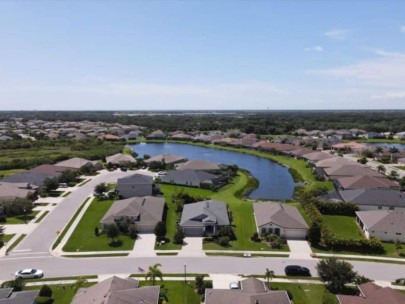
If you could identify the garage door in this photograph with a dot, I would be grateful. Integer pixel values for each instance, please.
(193, 231)
(295, 234)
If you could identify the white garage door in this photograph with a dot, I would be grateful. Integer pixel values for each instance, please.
(295, 234)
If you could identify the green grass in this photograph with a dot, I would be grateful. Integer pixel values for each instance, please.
(83, 183)
(41, 217)
(5, 173)
(61, 235)
(344, 227)
(107, 255)
(171, 216)
(178, 291)
(21, 219)
(66, 194)
(18, 241)
(252, 256)
(244, 225)
(61, 294)
(381, 140)
(41, 204)
(83, 237)
(303, 293)
(7, 237)
(60, 278)
(166, 253)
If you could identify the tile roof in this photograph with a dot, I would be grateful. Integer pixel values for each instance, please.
(373, 294)
(120, 158)
(365, 182)
(168, 158)
(136, 179)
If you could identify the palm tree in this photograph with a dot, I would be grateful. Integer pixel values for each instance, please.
(378, 150)
(154, 272)
(269, 275)
(393, 151)
(79, 283)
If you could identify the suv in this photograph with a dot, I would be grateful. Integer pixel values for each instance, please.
(295, 270)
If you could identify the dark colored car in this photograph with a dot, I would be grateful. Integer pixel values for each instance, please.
(295, 270)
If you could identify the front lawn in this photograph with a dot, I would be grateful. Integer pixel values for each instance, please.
(83, 237)
(178, 291)
(302, 293)
(21, 219)
(344, 227)
(7, 237)
(171, 216)
(61, 293)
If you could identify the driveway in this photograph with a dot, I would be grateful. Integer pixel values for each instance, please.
(222, 281)
(144, 245)
(193, 246)
(299, 249)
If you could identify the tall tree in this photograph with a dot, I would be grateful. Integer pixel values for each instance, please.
(153, 273)
(393, 151)
(269, 275)
(378, 150)
(336, 273)
(381, 168)
(112, 232)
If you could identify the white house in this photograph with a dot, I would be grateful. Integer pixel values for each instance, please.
(386, 225)
(279, 219)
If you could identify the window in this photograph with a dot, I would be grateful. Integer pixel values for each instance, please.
(263, 230)
(392, 208)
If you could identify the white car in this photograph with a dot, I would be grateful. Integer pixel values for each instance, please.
(29, 274)
(234, 285)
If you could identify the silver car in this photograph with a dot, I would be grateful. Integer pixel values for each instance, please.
(29, 274)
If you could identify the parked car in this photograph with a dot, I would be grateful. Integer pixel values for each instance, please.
(234, 285)
(29, 274)
(124, 169)
(295, 270)
(63, 185)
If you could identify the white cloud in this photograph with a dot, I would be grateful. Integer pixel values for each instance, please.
(387, 70)
(339, 34)
(316, 48)
(402, 28)
(389, 95)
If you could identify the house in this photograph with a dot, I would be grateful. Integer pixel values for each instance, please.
(7, 296)
(317, 156)
(252, 291)
(400, 135)
(10, 191)
(136, 185)
(204, 218)
(369, 199)
(76, 163)
(117, 291)
(365, 182)
(51, 170)
(120, 159)
(158, 134)
(145, 212)
(200, 165)
(194, 178)
(169, 159)
(384, 224)
(347, 170)
(333, 162)
(354, 147)
(109, 137)
(279, 219)
(371, 293)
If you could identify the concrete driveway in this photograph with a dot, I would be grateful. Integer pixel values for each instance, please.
(299, 249)
(193, 246)
(222, 281)
(144, 245)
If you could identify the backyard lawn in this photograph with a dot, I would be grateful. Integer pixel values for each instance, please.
(302, 293)
(344, 227)
(5, 173)
(242, 213)
(83, 237)
(178, 291)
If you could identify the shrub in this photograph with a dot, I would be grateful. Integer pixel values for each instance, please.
(255, 237)
(45, 291)
(179, 236)
(223, 241)
(227, 231)
(133, 231)
(329, 208)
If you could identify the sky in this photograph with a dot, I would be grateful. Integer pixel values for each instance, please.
(202, 55)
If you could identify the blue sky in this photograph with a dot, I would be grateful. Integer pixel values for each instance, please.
(169, 55)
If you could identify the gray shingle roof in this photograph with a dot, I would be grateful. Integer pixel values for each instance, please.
(117, 291)
(136, 179)
(283, 215)
(351, 170)
(188, 175)
(196, 214)
(199, 165)
(148, 208)
(383, 220)
(21, 297)
(33, 178)
(75, 163)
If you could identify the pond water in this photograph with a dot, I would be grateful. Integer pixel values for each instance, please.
(275, 181)
(387, 145)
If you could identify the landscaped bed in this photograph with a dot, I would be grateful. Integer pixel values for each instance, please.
(84, 238)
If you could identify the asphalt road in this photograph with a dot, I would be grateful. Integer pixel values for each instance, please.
(34, 252)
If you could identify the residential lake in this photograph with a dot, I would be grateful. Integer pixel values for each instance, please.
(387, 145)
(275, 181)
